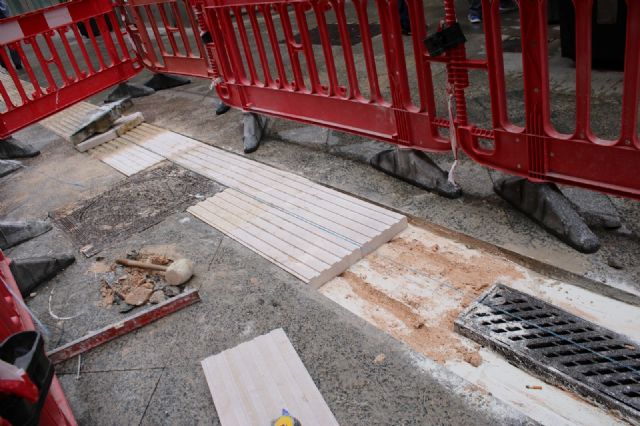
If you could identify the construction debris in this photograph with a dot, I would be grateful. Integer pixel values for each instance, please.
(145, 278)
(123, 327)
(121, 126)
(100, 121)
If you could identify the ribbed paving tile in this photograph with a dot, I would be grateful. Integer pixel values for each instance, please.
(126, 157)
(252, 383)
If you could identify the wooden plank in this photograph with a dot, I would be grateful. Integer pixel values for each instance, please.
(330, 240)
(252, 383)
(282, 259)
(125, 157)
(352, 204)
(110, 332)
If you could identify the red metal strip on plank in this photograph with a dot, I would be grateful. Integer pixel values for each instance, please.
(123, 327)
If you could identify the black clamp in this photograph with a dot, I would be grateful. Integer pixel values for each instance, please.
(25, 350)
(445, 39)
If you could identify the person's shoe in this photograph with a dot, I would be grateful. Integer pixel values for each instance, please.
(507, 6)
(222, 108)
(474, 19)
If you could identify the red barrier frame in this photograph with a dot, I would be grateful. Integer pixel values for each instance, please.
(537, 151)
(60, 87)
(343, 107)
(13, 319)
(147, 20)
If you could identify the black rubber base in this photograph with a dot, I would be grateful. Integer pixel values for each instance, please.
(416, 168)
(8, 167)
(129, 90)
(13, 148)
(16, 232)
(166, 81)
(254, 128)
(222, 108)
(30, 273)
(546, 205)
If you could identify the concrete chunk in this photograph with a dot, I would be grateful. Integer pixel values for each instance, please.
(100, 121)
(120, 127)
(546, 205)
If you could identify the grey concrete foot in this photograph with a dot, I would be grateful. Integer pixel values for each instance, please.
(30, 273)
(8, 166)
(254, 126)
(13, 148)
(545, 204)
(101, 120)
(129, 90)
(166, 81)
(416, 168)
(13, 233)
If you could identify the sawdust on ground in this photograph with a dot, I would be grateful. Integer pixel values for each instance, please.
(463, 278)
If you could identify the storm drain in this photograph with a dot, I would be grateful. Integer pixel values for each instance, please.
(560, 347)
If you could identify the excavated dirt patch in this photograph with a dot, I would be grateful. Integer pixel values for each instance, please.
(415, 286)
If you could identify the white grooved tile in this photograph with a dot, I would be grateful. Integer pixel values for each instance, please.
(252, 383)
(299, 247)
(65, 123)
(125, 157)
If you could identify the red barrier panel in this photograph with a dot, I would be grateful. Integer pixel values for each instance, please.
(269, 63)
(281, 58)
(15, 318)
(537, 150)
(67, 53)
(167, 36)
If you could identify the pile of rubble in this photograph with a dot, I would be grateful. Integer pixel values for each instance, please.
(130, 287)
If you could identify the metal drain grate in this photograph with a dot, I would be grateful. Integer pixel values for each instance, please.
(562, 348)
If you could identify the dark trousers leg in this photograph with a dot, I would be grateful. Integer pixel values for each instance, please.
(475, 7)
(404, 15)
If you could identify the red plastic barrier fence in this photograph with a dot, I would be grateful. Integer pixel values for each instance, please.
(268, 63)
(167, 36)
(537, 150)
(15, 318)
(67, 53)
